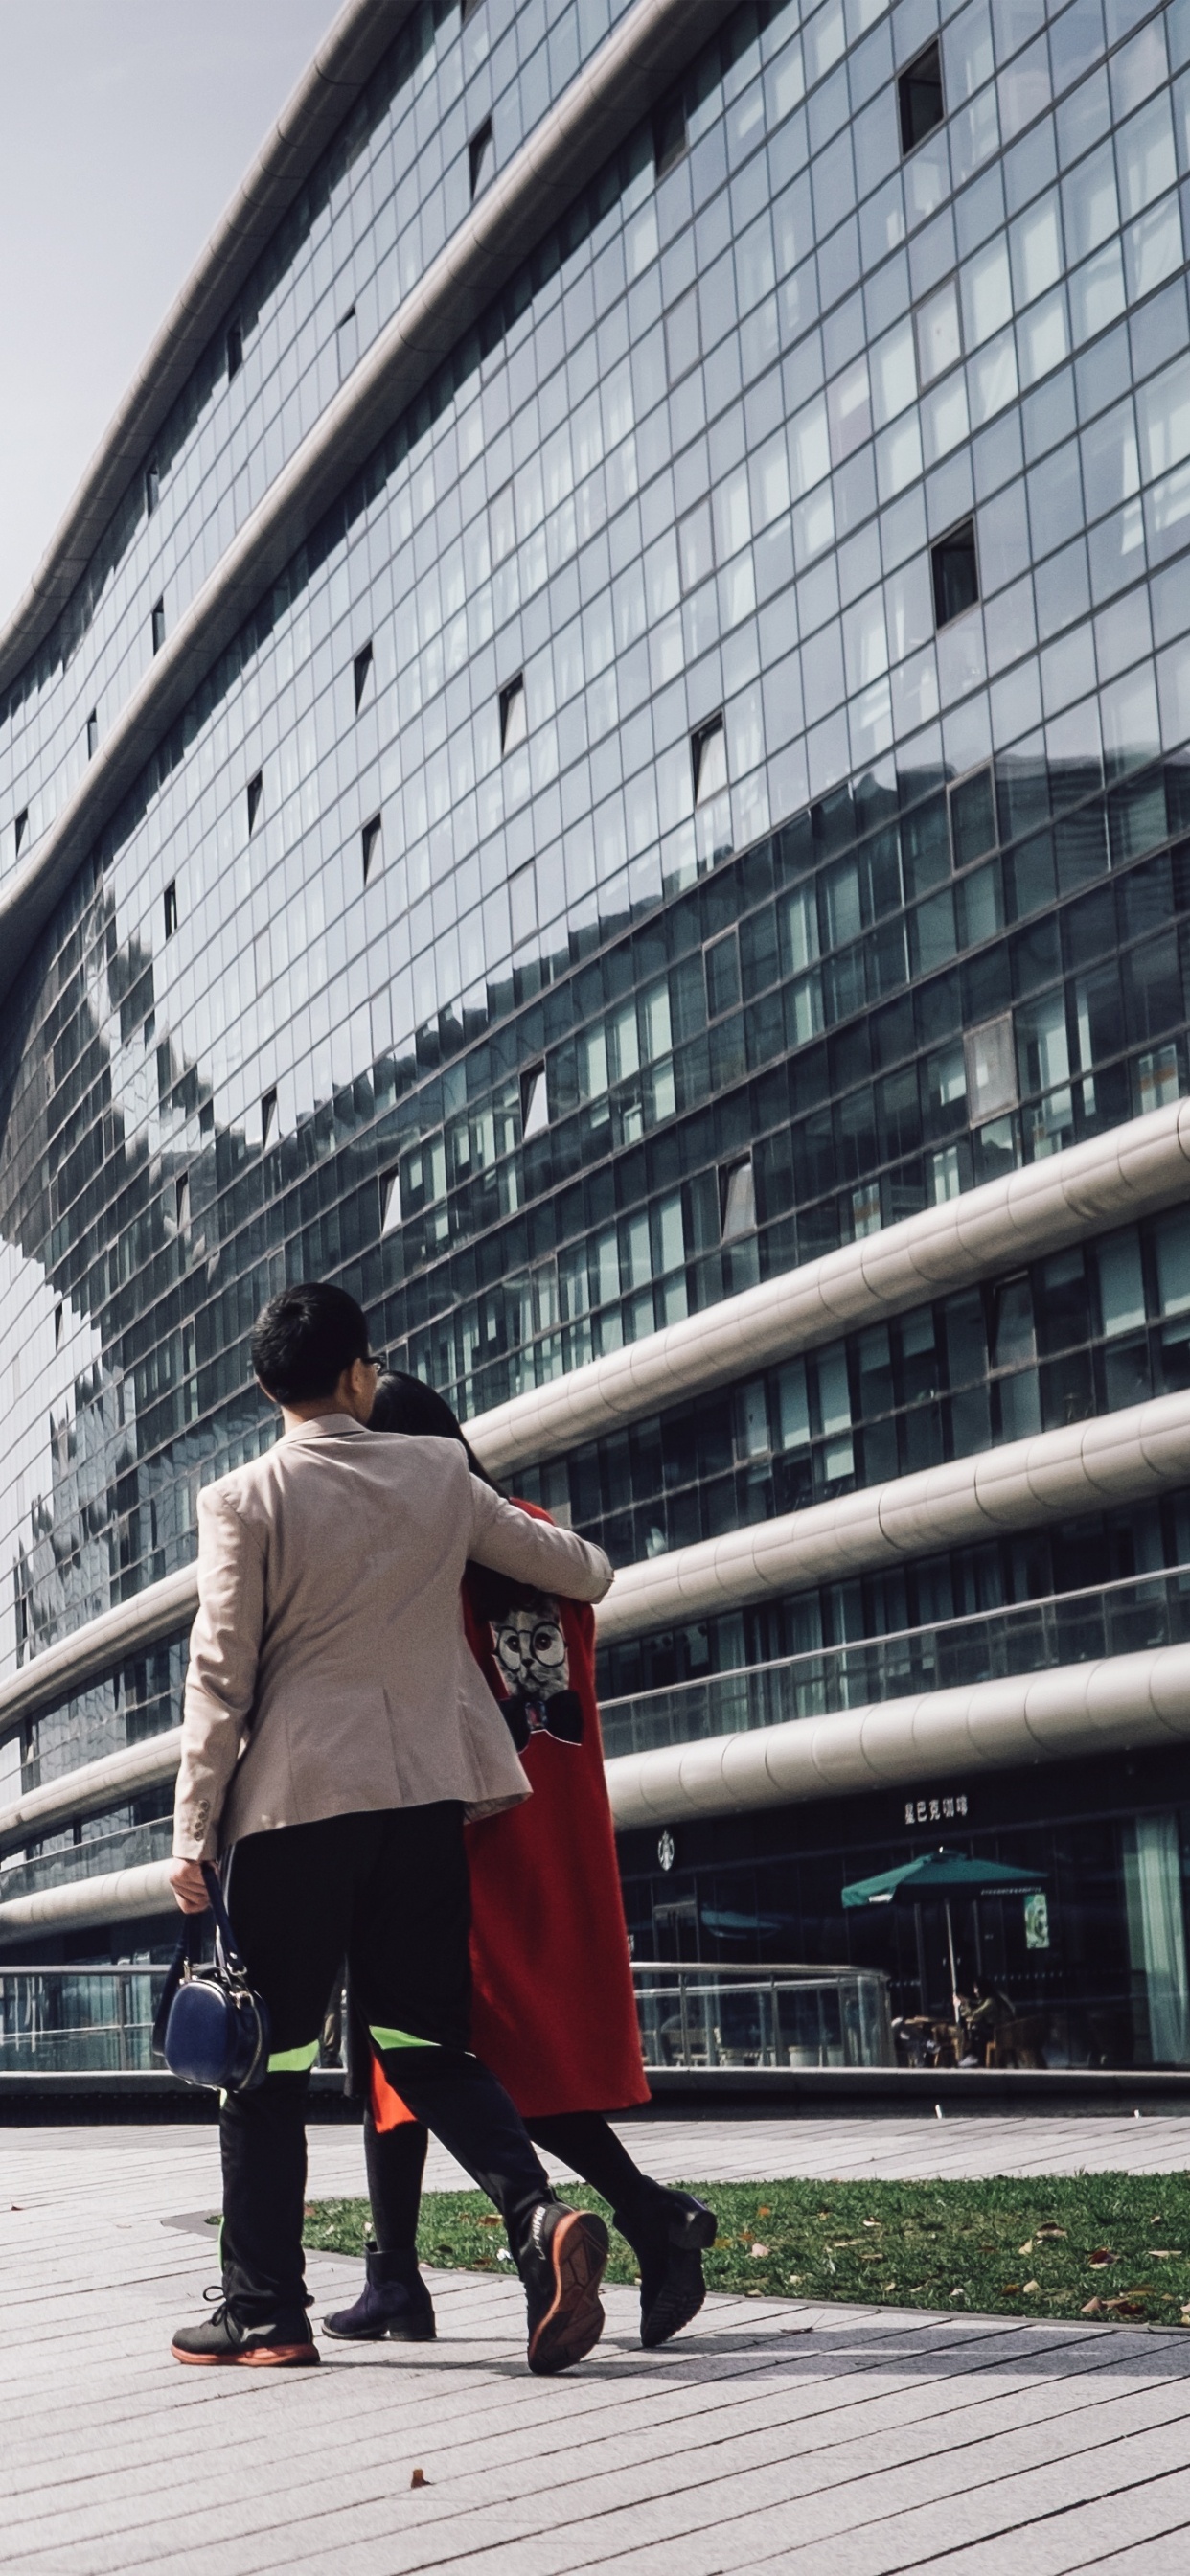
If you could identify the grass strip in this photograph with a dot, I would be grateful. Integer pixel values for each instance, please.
(1111, 2245)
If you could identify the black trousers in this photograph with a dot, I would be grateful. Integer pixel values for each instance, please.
(584, 2140)
(388, 1893)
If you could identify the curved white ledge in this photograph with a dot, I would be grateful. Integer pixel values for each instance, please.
(1116, 1458)
(161, 1610)
(644, 52)
(94, 1786)
(119, 1896)
(1132, 1171)
(333, 80)
(1121, 1702)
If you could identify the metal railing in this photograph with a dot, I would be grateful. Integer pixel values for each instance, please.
(76, 2021)
(694, 2017)
(71, 2021)
(1122, 1618)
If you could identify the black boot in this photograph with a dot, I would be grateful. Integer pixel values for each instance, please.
(668, 2232)
(394, 2301)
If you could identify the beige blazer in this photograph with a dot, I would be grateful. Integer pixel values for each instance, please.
(329, 1669)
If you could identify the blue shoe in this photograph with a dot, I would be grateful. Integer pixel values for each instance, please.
(394, 2301)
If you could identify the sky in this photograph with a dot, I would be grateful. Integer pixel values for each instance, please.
(125, 126)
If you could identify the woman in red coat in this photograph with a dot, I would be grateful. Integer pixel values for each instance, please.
(553, 2012)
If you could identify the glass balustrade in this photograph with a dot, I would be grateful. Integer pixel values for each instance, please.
(1068, 1628)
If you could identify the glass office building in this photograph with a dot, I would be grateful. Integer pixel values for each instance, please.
(603, 756)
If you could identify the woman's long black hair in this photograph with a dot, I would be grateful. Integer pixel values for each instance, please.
(407, 1404)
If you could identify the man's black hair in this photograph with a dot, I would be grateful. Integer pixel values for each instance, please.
(304, 1339)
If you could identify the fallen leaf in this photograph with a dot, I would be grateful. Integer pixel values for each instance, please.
(1094, 2306)
(839, 2242)
(419, 2479)
(1012, 2290)
(1166, 2253)
(871, 2222)
(1027, 2248)
(1101, 2257)
(491, 2220)
(1048, 2231)
(764, 2213)
(1029, 2287)
(1125, 2307)
(958, 2294)
(502, 2254)
(760, 2253)
(888, 2285)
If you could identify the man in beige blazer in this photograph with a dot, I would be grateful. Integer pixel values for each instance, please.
(336, 1736)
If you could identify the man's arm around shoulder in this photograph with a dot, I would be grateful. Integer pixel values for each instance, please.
(532, 1551)
(220, 1683)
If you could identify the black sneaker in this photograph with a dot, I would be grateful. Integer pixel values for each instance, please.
(562, 2266)
(394, 2301)
(669, 2232)
(286, 2343)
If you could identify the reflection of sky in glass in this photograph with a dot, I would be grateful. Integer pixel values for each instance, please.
(693, 473)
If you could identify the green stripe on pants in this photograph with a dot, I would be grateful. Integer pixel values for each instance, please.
(293, 2061)
(398, 2039)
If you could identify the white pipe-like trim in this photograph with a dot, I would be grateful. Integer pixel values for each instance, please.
(1110, 1180)
(1122, 1702)
(120, 1896)
(328, 87)
(648, 48)
(162, 1610)
(1116, 1458)
(92, 1788)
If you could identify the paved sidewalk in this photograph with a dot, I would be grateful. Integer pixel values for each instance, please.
(775, 2435)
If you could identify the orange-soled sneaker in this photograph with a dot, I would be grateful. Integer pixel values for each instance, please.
(286, 2343)
(562, 2267)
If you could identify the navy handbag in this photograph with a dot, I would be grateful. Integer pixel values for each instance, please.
(211, 2028)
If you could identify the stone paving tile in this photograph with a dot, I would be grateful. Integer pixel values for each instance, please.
(774, 2435)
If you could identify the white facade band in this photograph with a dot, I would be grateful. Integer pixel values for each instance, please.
(1116, 1458)
(326, 91)
(647, 49)
(1122, 1702)
(1134, 1171)
(1119, 1457)
(1125, 1701)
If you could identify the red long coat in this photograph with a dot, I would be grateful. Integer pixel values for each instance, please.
(554, 2014)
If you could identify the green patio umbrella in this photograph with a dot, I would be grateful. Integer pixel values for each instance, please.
(943, 1874)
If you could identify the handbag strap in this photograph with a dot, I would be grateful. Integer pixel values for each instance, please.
(225, 1940)
(226, 1953)
(181, 1960)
